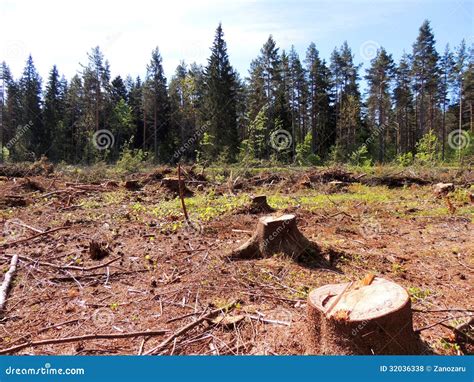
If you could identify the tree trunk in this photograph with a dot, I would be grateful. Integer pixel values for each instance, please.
(356, 318)
(275, 235)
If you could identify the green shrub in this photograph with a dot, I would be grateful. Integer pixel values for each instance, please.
(405, 160)
(427, 149)
(130, 160)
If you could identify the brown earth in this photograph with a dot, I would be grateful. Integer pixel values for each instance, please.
(170, 273)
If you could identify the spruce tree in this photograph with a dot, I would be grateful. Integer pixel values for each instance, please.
(156, 107)
(35, 140)
(220, 100)
(53, 114)
(425, 72)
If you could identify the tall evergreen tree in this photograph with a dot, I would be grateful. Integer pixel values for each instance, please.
(319, 84)
(156, 106)
(346, 96)
(379, 78)
(447, 76)
(53, 114)
(220, 99)
(31, 112)
(404, 108)
(425, 72)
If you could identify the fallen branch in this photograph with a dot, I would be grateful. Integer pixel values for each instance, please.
(188, 327)
(7, 281)
(6, 245)
(269, 321)
(87, 337)
(440, 322)
(443, 310)
(181, 196)
(70, 267)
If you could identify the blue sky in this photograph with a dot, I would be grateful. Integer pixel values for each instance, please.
(62, 32)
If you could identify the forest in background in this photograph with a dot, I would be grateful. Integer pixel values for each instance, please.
(304, 111)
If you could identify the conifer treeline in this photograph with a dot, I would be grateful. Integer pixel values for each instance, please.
(209, 113)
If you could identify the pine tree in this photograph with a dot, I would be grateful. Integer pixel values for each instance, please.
(157, 108)
(118, 90)
(75, 125)
(425, 72)
(379, 77)
(298, 97)
(30, 89)
(12, 114)
(347, 97)
(134, 90)
(96, 85)
(220, 100)
(322, 133)
(53, 114)
(404, 108)
(447, 77)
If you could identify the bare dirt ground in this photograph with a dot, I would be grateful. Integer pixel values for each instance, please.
(159, 273)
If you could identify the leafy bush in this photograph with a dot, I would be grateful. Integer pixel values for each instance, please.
(405, 160)
(304, 154)
(360, 157)
(427, 149)
(131, 160)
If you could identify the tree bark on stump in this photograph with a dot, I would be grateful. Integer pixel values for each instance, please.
(351, 318)
(274, 235)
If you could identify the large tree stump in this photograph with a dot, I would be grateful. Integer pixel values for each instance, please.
(354, 318)
(274, 235)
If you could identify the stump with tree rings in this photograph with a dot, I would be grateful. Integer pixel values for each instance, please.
(353, 319)
(275, 235)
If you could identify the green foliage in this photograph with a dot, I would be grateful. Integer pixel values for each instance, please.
(304, 154)
(405, 160)
(360, 157)
(131, 160)
(336, 154)
(206, 149)
(427, 149)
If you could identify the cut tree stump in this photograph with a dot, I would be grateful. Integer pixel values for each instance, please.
(275, 235)
(441, 189)
(258, 204)
(354, 318)
(99, 249)
(172, 184)
(133, 185)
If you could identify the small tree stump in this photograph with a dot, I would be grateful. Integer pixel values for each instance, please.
(352, 318)
(172, 184)
(99, 249)
(441, 189)
(259, 204)
(133, 185)
(274, 235)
